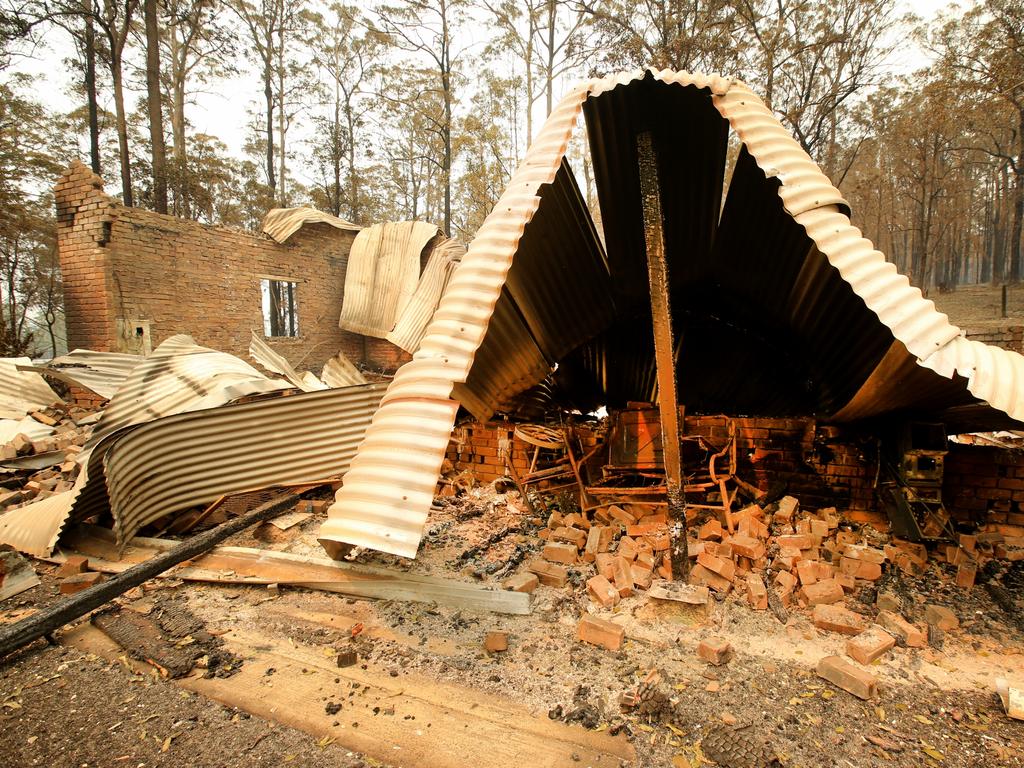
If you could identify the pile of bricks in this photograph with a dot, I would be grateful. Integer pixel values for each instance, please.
(638, 533)
(60, 448)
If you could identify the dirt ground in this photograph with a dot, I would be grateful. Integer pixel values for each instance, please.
(61, 706)
(980, 306)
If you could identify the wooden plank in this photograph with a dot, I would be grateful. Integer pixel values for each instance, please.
(434, 724)
(242, 565)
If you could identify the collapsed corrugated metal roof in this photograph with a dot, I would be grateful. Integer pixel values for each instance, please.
(261, 352)
(282, 223)
(100, 372)
(782, 307)
(412, 322)
(382, 274)
(180, 376)
(339, 371)
(22, 391)
(193, 458)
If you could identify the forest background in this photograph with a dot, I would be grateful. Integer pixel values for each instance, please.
(218, 110)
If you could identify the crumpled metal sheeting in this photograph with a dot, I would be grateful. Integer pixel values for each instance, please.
(339, 371)
(180, 376)
(191, 459)
(22, 391)
(27, 426)
(381, 276)
(261, 352)
(35, 528)
(282, 223)
(102, 373)
(412, 324)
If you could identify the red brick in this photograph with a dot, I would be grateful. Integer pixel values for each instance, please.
(902, 629)
(715, 650)
(522, 582)
(496, 641)
(870, 644)
(855, 680)
(559, 553)
(606, 634)
(835, 618)
(79, 581)
(822, 592)
(601, 590)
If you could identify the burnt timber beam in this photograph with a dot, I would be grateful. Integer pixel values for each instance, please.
(664, 349)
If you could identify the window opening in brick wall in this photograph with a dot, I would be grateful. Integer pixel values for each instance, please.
(280, 309)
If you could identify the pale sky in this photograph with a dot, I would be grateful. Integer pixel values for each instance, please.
(222, 111)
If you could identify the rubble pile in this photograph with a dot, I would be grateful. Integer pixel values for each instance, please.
(44, 462)
(849, 579)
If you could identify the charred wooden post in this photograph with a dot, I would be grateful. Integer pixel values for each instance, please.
(54, 617)
(664, 349)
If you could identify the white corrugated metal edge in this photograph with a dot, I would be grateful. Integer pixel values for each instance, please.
(282, 223)
(102, 373)
(35, 528)
(389, 488)
(262, 353)
(180, 376)
(412, 324)
(190, 459)
(22, 391)
(339, 371)
(382, 274)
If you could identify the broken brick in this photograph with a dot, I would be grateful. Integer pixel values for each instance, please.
(556, 552)
(599, 588)
(522, 582)
(835, 618)
(549, 574)
(746, 546)
(757, 593)
(941, 617)
(496, 641)
(822, 592)
(72, 565)
(902, 629)
(715, 650)
(79, 581)
(701, 575)
(870, 644)
(724, 568)
(845, 675)
(600, 632)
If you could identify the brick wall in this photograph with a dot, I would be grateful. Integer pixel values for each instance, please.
(1006, 336)
(167, 275)
(984, 483)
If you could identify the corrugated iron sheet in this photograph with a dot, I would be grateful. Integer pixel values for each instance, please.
(261, 352)
(408, 331)
(382, 274)
(22, 391)
(822, 298)
(180, 376)
(282, 223)
(339, 371)
(102, 373)
(191, 459)
(29, 427)
(34, 528)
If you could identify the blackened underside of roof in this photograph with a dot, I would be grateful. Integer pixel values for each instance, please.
(765, 324)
